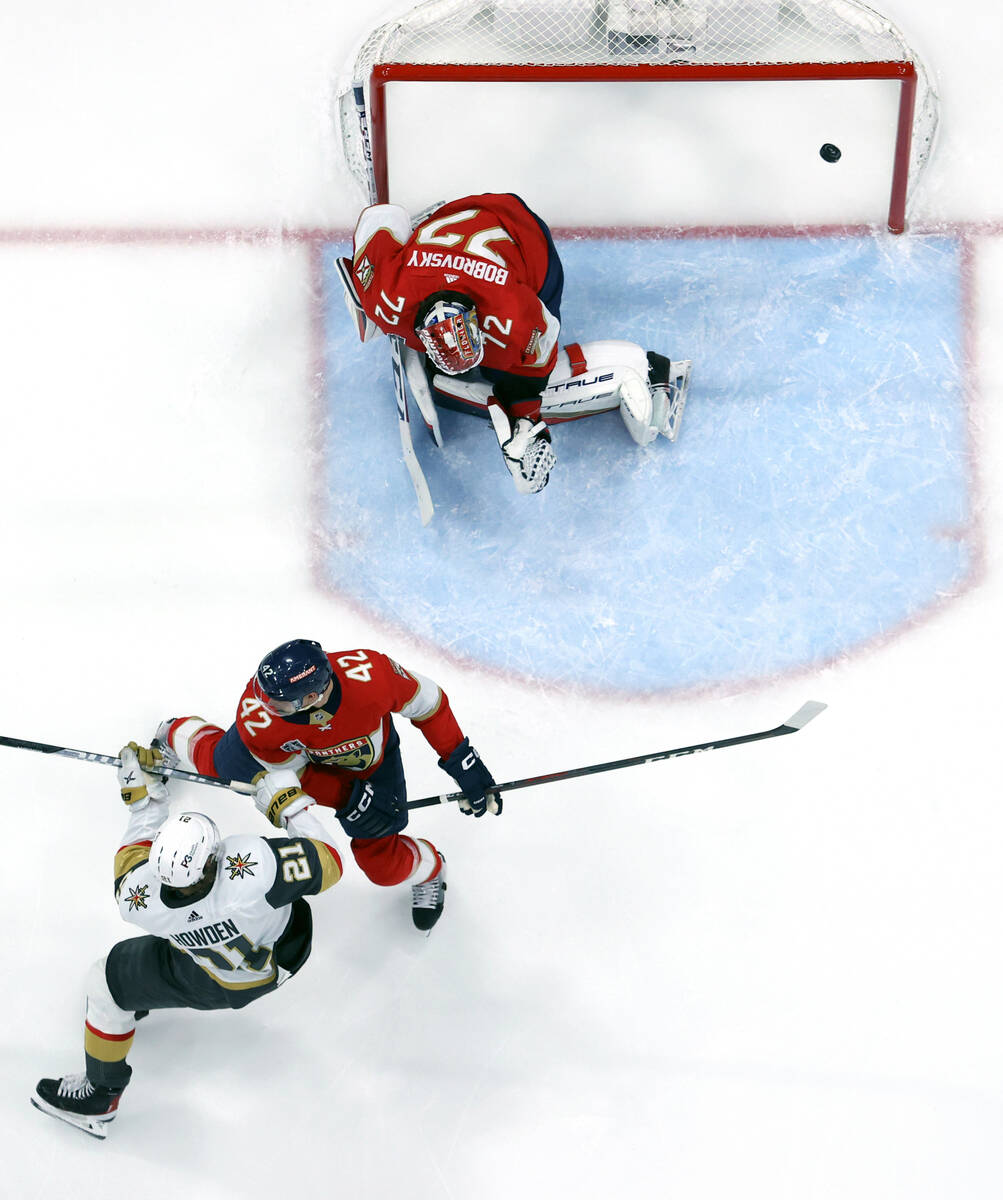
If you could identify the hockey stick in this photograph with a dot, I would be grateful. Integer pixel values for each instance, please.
(800, 719)
(109, 761)
(366, 329)
(421, 393)
(425, 506)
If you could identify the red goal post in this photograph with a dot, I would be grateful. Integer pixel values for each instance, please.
(582, 41)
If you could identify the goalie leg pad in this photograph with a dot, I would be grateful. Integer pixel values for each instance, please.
(637, 409)
(467, 395)
(591, 383)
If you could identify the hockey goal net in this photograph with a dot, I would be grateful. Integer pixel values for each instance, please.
(634, 42)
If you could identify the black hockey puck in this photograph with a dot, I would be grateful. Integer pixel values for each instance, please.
(831, 153)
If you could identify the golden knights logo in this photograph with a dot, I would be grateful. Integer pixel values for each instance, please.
(138, 897)
(239, 865)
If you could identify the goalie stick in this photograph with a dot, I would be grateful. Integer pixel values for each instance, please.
(397, 349)
(418, 481)
(425, 506)
(798, 721)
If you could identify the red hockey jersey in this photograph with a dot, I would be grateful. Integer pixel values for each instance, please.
(489, 247)
(352, 730)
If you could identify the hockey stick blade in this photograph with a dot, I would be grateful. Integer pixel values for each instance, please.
(799, 720)
(807, 712)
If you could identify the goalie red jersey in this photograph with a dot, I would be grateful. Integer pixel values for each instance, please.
(490, 248)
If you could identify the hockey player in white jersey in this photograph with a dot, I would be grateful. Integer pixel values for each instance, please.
(226, 922)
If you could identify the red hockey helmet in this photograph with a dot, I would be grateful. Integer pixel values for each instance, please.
(448, 329)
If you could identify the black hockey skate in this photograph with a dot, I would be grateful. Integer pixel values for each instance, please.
(428, 899)
(79, 1102)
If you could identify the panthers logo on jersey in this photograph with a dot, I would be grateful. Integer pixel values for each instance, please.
(354, 755)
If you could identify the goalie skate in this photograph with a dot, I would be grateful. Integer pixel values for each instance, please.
(654, 405)
(668, 383)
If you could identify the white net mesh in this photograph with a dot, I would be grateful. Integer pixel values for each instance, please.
(625, 32)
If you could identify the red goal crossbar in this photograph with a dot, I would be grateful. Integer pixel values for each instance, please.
(905, 72)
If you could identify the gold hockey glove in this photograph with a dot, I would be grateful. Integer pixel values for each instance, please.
(138, 786)
(279, 796)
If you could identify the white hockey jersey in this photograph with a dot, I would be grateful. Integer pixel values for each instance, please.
(231, 931)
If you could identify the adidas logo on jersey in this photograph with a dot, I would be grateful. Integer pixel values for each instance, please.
(452, 278)
(193, 916)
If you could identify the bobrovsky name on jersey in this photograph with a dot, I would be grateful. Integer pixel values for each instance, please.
(476, 268)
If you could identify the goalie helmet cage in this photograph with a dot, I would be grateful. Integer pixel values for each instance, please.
(616, 40)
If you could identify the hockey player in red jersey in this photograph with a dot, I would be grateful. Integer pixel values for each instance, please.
(226, 922)
(327, 717)
(475, 286)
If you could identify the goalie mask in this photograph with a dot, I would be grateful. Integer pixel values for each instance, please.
(448, 329)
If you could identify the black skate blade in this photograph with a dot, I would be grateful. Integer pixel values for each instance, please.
(95, 1126)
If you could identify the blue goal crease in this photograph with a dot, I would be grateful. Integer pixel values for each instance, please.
(817, 497)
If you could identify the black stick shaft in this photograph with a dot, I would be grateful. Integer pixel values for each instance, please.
(109, 760)
(800, 719)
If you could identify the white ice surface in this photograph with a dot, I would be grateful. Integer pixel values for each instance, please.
(772, 972)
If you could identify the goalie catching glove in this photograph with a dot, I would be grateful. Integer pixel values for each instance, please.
(475, 780)
(137, 784)
(279, 796)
